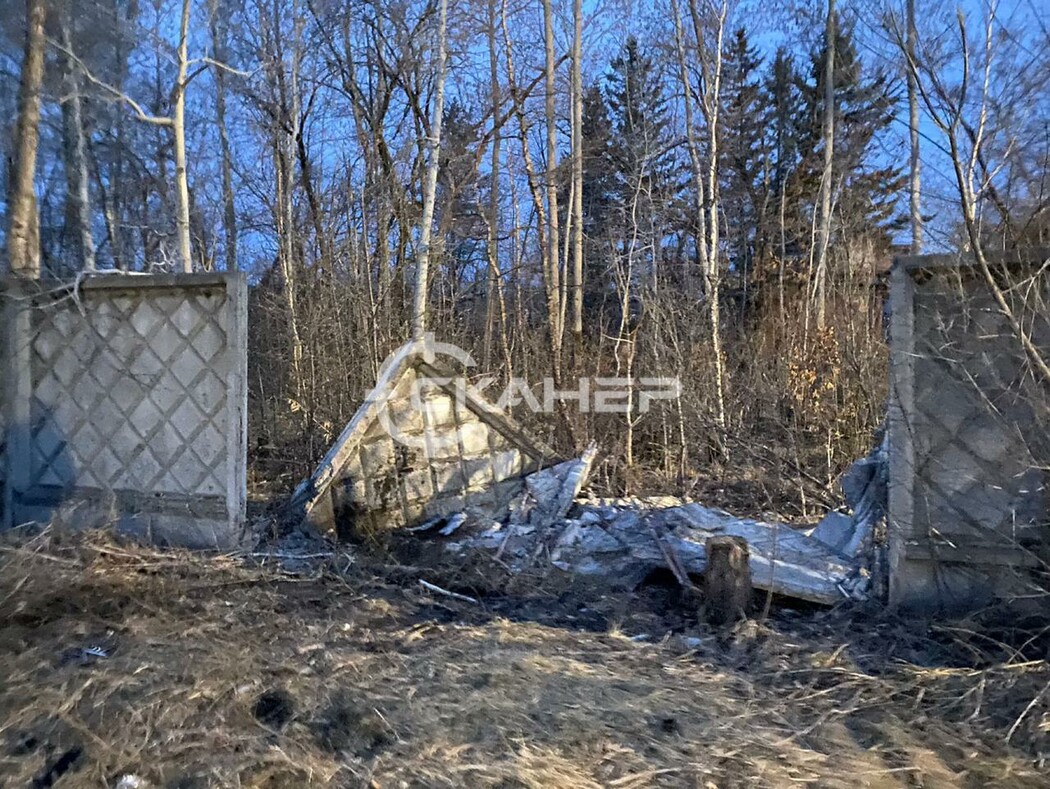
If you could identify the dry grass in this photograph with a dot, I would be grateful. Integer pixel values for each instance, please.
(386, 685)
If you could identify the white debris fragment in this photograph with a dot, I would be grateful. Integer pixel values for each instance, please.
(454, 523)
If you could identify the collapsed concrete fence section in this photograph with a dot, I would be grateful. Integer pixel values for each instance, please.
(622, 542)
(969, 432)
(436, 461)
(421, 446)
(124, 401)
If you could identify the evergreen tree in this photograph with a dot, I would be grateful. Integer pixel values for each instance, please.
(458, 199)
(866, 194)
(642, 153)
(744, 151)
(784, 118)
(599, 169)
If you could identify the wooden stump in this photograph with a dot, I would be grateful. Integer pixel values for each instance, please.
(727, 580)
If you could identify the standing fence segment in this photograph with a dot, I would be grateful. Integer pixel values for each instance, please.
(968, 433)
(124, 401)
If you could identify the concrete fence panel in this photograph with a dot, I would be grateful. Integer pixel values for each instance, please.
(124, 400)
(968, 433)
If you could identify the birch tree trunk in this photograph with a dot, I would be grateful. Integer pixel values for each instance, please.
(433, 146)
(828, 135)
(496, 296)
(77, 195)
(178, 127)
(712, 104)
(706, 183)
(553, 269)
(23, 237)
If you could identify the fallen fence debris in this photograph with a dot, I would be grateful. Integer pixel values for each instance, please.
(427, 458)
(624, 542)
(419, 449)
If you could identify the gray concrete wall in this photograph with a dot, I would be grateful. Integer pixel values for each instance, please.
(124, 401)
(968, 450)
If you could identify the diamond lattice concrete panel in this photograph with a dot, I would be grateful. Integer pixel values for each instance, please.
(418, 448)
(127, 395)
(968, 432)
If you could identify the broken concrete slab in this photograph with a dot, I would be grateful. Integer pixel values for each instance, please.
(550, 493)
(783, 559)
(623, 545)
(856, 480)
(421, 446)
(423, 454)
(834, 530)
(872, 504)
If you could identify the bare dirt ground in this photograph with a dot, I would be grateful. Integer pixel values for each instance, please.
(222, 672)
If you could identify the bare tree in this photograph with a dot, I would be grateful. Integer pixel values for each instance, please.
(23, 239)
(914, 172)
(433, 149)
(496, 296)
(705, 174)
(73, 144)
(965, 120)
(820, 276)
(229, 211)
(531, 178)
(279, 104)
(577, 174)
(553, 269)
(176, 121)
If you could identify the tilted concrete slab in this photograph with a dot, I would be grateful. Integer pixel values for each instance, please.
(418, 447)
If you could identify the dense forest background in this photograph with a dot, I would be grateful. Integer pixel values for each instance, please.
(685, 188)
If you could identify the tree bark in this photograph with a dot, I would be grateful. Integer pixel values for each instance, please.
(77, 195)
(828, 135)
(727, 580)
(178, 127)
(915, 178)
(433, 146)
(23, 239)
